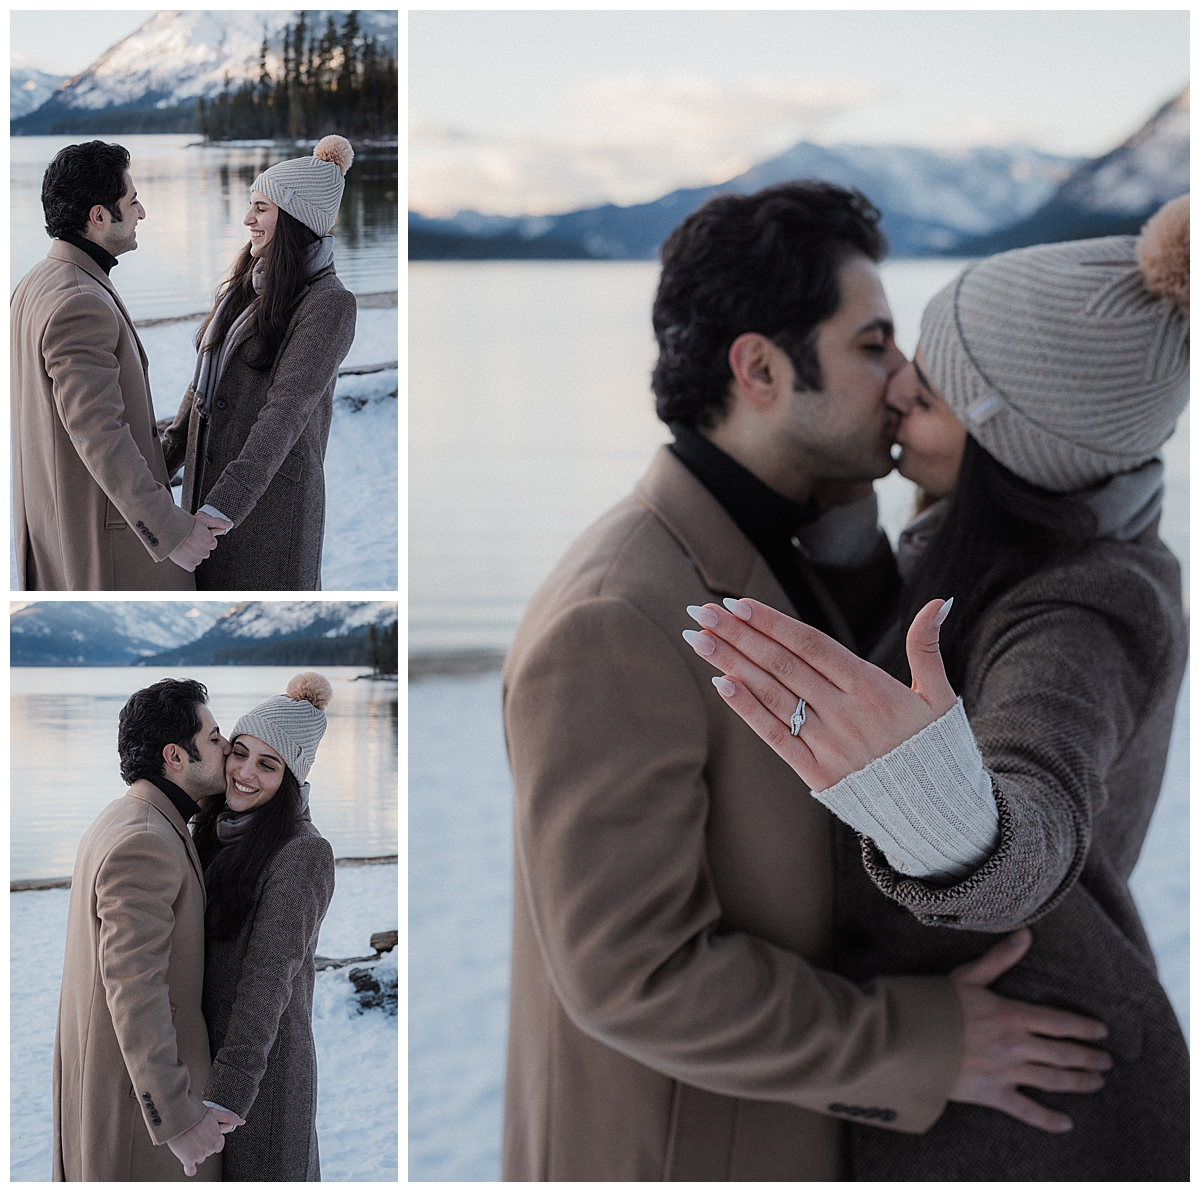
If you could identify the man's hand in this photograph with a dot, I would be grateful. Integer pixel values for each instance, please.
(200, 542)
(193, 1146)
(1005, 1044)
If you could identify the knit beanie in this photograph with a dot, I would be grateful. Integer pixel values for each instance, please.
(310, 188)
(1068, 363)
(292, 724)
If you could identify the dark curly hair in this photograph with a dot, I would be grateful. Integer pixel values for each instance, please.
(165, 713)
(286, 265)
(230, 871)
(79, 177)
(766, 262)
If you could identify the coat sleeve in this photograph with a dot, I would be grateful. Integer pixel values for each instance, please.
(287, 919)
(175, 437)
(611, 848)
(136, 889)
(316, 344)
(1055, 692)
(79, 348)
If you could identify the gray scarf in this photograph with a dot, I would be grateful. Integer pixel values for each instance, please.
(1123, 506)
(233, 825)
(213, 352)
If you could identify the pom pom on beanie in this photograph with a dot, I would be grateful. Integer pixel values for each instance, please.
(1163, 252)
(337, 150)
(312, 687)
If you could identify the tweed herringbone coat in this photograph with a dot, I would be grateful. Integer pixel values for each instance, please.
(672, 1015)
(258, 993)
(268, 430)
(92, 506)
(1071, 685)
(131, 1049)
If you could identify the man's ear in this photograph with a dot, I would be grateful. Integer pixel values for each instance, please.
(175, 757)
(96, 215)
(752, 362)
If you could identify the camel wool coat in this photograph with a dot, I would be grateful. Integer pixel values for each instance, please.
(258, 993)
(92, 506)
(671, 1017)
(131, 1049)
(265, 466)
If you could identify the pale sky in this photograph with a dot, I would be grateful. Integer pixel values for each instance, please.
(515, 112)
(67, 42)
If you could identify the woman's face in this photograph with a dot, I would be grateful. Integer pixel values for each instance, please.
(931, 438)
(253, 773)
(260, 219)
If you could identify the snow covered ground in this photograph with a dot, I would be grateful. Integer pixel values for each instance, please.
(460, 891)
(361, 477)
(356, 1051)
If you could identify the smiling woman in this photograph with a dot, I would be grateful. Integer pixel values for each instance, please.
(269, 876)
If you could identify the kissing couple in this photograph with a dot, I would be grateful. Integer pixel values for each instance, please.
(856, 905)
(92, 468)
(184, 1044)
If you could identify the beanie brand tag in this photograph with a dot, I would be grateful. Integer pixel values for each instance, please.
(987, 406)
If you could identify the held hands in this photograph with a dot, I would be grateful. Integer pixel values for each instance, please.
(206, 1137)
(200, 542)
(854, 712)
(1008, 1043)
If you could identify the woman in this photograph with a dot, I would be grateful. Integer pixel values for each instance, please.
(252, 428)
(1046, 381)
(269, 876)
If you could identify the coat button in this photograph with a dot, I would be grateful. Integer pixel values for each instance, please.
(220, 403)
(207, 458)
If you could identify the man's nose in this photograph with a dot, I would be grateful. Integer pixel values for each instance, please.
(226, 748)
(902, 389)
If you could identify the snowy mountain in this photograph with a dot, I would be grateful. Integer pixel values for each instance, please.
(930, 200)
(177, 56)
(1114, 194)
(85, 633)
(28, 89)
(249, 632)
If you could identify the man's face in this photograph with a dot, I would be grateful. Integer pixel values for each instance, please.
(844, 431)
(206, 776)
(121, 236)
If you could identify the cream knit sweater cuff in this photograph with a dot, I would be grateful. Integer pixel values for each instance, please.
(928, 805)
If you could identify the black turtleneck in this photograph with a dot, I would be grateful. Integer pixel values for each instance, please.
(101, 256)
(184, 803)
(767, 518)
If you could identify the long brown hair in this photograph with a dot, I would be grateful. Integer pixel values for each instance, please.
(285, 265)
(230, 871)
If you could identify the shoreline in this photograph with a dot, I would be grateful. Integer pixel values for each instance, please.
(22, 885)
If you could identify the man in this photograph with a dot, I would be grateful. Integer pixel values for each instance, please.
(131, 1052)
(92, 504)
(677, 1010)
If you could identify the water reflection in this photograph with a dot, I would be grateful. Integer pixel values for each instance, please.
(65, 769)
(195, 197)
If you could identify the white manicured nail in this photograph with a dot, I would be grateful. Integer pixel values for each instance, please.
(700, 642)
(739, 608)
(703, 616)
(943, 613)
(724, 686)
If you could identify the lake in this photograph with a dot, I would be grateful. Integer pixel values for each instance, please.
(530, 413)
(195, 196)
(64, 767)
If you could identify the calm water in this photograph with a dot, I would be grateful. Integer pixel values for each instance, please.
(195, 197)
(530, 414)
(65, 767)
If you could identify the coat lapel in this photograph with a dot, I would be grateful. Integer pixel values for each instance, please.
(60, 250)
(147, 792)
(724, 558)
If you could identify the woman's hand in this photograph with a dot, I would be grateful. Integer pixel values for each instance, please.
(854, 712)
